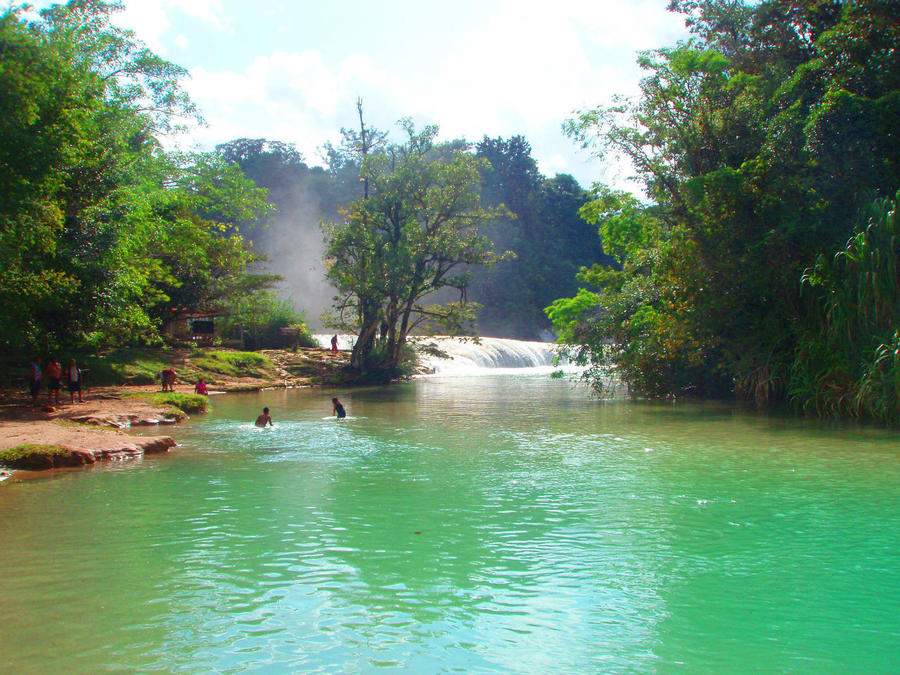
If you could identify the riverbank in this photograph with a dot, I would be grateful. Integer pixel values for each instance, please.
(49, 436)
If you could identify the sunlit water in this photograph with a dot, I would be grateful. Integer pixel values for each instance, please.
(496, 524)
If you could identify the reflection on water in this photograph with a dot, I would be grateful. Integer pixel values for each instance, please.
(506, 524)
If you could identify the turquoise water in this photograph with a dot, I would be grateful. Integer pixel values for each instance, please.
(492, 524)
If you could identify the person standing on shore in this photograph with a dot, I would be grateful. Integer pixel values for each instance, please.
(34, 379)
(73, 380)
(54, 375)
(168, 379)
(334, 343)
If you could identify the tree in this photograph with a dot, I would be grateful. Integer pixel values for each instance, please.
(550, 241)
(289, 234)
(80, 101)
(759, 140)
(98, 226)
(410, 235)
(197, 259)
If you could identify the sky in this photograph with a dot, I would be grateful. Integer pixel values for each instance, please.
(292, 70)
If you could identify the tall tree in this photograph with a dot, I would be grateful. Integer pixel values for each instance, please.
(83, 178)
(412, 233)
(759, 141)
(544, 231)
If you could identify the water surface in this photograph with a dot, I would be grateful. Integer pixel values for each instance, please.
(492, 524)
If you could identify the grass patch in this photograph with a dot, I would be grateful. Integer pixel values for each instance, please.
(234, 364)
(34, 457)
(124, 366)
(188, 403)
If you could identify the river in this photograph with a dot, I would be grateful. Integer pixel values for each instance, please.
(499, 523)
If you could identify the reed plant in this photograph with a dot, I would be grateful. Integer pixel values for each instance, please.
(848, 359)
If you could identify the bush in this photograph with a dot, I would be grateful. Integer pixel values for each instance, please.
(848, 359)
(32, 457)
(258, 320)
(188, 403)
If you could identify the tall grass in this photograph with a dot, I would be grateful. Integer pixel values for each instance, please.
(848, 361)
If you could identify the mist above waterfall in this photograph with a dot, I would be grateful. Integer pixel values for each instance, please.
(551, 242)
(293, 245)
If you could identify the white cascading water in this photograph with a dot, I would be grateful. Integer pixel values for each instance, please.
(465, 356)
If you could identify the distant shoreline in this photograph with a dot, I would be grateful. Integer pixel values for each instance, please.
(47, 437)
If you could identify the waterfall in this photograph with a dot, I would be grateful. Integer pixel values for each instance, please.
(443, 356)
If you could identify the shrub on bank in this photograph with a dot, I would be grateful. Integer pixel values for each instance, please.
(34, 457)
(187, 403)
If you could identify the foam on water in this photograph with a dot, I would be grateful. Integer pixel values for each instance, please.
(450, 356)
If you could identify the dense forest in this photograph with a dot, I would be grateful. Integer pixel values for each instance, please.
(105, 238)
(766, 261)
(108, 238)
(540, 224)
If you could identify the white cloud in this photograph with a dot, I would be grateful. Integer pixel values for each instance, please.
(152, 19)
(522, 68)
(293, 97)
(208, 11)
(149, 21)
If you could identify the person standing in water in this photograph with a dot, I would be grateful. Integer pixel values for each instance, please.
(338, 408)
(264, 419)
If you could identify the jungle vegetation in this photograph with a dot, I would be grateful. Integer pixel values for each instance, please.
(411, 236)
(105, 238)
(763, 261)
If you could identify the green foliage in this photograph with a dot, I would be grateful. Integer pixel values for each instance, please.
(233, 364)
(759, 140)
(101, 233)
(848, 358)
(542, 229)
(34, 457)
(186, 403)
(413, 233)
(258, 319)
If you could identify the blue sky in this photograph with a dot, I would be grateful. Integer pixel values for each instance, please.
(292, 70)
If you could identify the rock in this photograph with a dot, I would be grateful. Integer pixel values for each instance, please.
(82, 457)
(158, 445)
(36, 461)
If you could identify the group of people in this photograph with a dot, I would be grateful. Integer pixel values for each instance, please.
(265, 419)
(52, 376)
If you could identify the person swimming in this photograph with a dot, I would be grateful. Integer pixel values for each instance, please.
(338, 408)
(264, 419)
